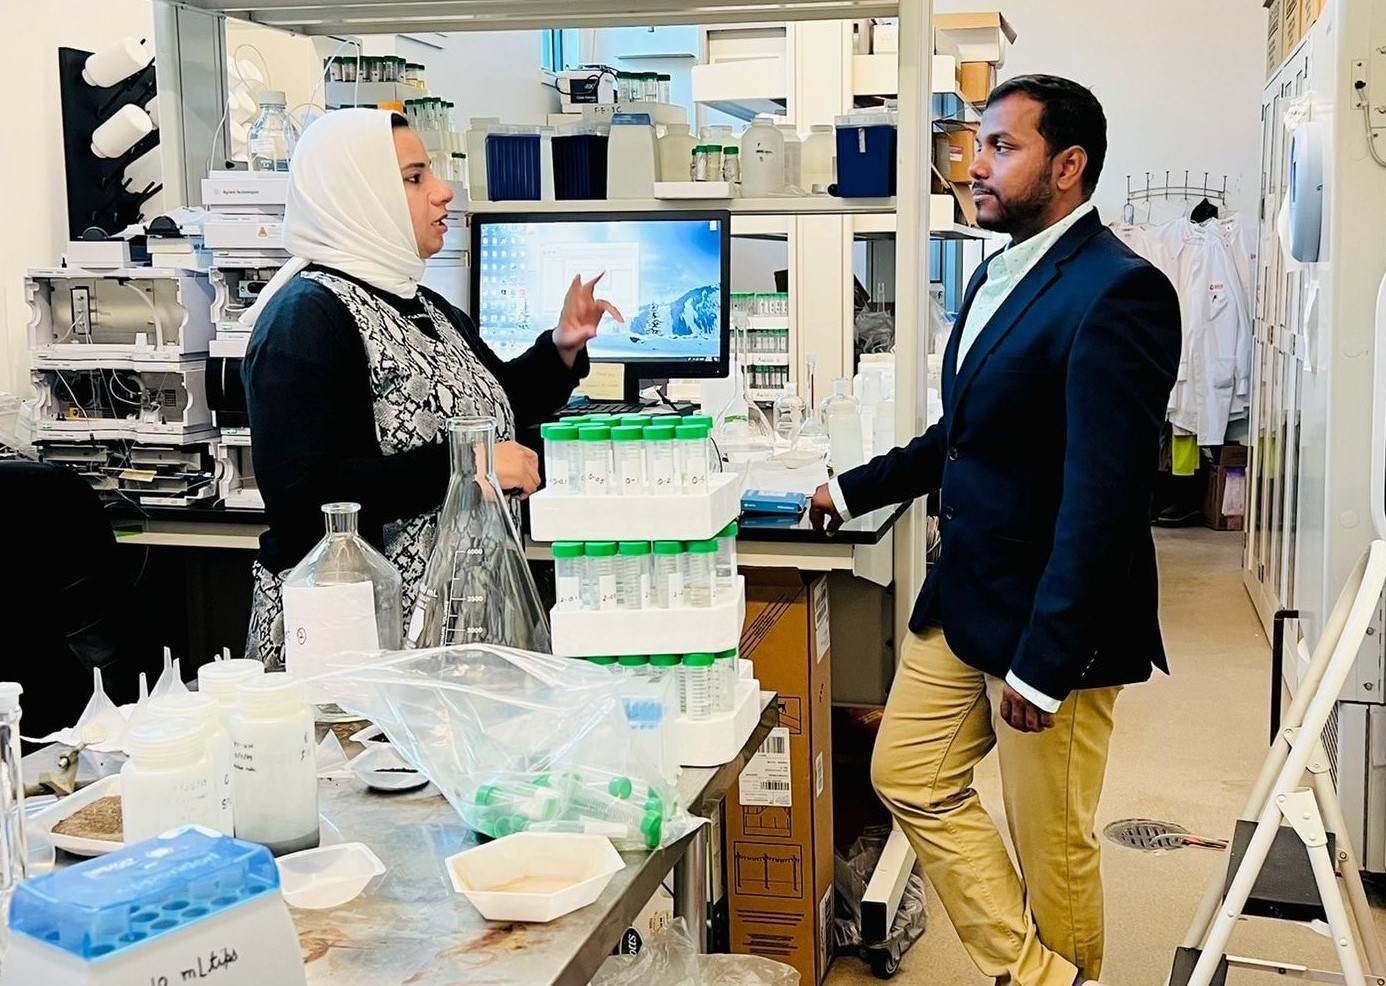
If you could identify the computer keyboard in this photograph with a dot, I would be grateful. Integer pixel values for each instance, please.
(624, 407)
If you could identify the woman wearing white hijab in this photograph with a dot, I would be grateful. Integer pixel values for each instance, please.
(354, 368)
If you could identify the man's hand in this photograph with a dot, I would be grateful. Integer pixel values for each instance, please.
(1022, 714)
(823, 512)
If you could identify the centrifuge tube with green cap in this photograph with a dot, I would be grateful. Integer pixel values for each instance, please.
(690, 449)
(726, 558)
(697, 670)
(649, 822)
(601, 576)
(661, 469)
(633, 575)
(634, 664)
(603, 662)
(569, 566)
(671, 664)
(725, 673)
(628, 453)
(528, 800)
(669, 575)
(560, 451)
(595, 443)
(700, 567)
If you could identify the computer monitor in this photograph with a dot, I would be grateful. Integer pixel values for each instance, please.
(669, 274)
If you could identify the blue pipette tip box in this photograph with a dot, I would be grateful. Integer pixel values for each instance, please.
(132, 896)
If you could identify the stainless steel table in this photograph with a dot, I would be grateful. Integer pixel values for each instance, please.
(413, 929)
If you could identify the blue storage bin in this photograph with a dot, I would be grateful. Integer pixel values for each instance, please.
(513, 167)
(579, 166)
(866, 147)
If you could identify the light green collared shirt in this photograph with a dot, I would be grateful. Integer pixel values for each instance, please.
(1007, 269)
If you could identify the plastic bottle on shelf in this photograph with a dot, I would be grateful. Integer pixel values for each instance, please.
(675, 148)
(690, 443)
(762, 154)
(666, 88)
(562, 474)
(273, 134)
(633, 575)
(661, 471)
(168, 781)
(275, 782)
(569, 566)
(816, 159)
(595, 443)
(789, 413)
(701, 574)
(726, 569)
(628, 453)
(793, 157)
(698, 685)
(205, 711)
(669, 575)
(601, 575)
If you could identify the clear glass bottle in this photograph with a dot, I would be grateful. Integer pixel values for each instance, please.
(789, 414)
(601, 576)
(168, 780)
(690, 445)
(669, 575)
(595, 444)
(661, 473)
(633, 575)
(273, 134)
(701, 574)
(561, 474)
(569, 567)
(343, 597)
(628, 453)
(698, 684)
(477, 587)
(726, 560)
(274, 786)
(14, 850)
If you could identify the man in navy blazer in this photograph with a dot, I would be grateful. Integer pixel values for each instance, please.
(1043, 602)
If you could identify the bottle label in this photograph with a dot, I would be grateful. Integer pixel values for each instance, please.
(675, 584)
(596, 478)
(320, 623)
(558, 475)
(662, 474)
(606, 592)
(645, 602)
(569, 593)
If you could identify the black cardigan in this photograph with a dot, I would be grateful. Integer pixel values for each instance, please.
(308, 390)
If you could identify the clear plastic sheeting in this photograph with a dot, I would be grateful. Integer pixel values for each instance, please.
(851, 876)
(670, 958)
(518, 742)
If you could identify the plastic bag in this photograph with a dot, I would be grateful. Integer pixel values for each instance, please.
(669, 958)
(517, 741)
(851, 876)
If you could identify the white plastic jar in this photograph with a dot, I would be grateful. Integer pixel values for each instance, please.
(661, 471)
(595, 444)
(206, 712)
(274, 784)
(220, 679)
(700, 586)
(603, 592)
(697, 672)
(633, 575)
(168, 780)
(628, 452)
(668, 564)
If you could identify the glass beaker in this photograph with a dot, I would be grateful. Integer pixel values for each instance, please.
(344, 596)
(477, 587)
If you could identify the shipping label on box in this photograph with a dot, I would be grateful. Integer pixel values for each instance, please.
(766, 781)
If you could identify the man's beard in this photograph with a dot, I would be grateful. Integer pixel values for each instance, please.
(1023, 212)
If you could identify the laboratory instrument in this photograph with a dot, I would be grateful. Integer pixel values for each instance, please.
(189, 907)
(701, 574)
(669, 575)
(343, 598)
(169, 779)
(273, 134)
(569, 564)
(274, 786)
(477, 587)
(633, 575)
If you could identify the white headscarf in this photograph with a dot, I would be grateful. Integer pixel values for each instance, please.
(346, 207)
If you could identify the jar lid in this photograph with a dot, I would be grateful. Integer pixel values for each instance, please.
(603, 418)
(630, 548)
(699, 419)
(221, 678)
(604, 662)
(668, 547)
(594, 433)
(568, 549)
(730, 531)
(601, 549)
(635, 420)
(665, 660)
(725, 654)
(553, 432)
(659, 433)
(627, 433)
(702, 547)
(633, 661)
(698, 660)
(166, 740)
(691, 432)
(269, 695)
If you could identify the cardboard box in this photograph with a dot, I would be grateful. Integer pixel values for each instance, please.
(1275, 49)
(976, 80)
(979, 37)
(779, 814)
(961, 152)
(1309, 11)
(1289, 27)
(1224, 502)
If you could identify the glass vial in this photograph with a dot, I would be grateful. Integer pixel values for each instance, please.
(562, 475)
(701, 585)
(569, 566)
(628, 451)
(274, 787)
(595, 443)
(273, 134)
(690, 443)
(633, 575)
(726, 560)
(661, 474)
(601, 576)
(14, 850)
(168, 780)
(697, 671)
(669, 575)
(344, 597)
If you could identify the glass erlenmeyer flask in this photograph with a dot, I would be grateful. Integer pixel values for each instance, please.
(344, 596)
(477, 587)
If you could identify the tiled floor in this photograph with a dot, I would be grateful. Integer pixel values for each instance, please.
(1186, 749)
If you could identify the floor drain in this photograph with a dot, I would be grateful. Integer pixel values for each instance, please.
(1146, 834)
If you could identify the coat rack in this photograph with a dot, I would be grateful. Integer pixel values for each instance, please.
(1169, 190)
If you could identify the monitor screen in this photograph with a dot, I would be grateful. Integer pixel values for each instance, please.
(667, 274)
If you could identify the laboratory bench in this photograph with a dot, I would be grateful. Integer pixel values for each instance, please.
(412, 927)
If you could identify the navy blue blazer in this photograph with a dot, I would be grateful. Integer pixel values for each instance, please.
(1045, 458)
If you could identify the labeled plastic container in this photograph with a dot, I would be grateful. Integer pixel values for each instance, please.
(633, 575)
(698, 683)
(661, 470)
(570, 566)
(168, 781)
(762, 158)
(668, 562)
(603, 593)
(628, 453)
(206, 712)
(726, 560)
(562, 462)
(273, 135)
(701, 574)
(220, 679)
(275, 783)
(513, 165)
(594, 442)
(866, 149)
(676, 148)
(690, 447)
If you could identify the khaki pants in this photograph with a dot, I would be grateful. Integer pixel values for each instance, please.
(1038, 927)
